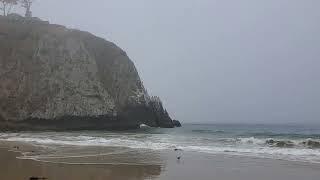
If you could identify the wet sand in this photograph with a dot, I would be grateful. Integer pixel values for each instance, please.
(225, 167)
(17, 169)
(164, 166)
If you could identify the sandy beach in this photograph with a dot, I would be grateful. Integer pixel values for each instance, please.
(137, 165)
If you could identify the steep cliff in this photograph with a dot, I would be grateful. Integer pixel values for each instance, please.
(56, 78)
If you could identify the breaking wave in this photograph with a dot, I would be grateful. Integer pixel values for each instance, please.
(201, 141)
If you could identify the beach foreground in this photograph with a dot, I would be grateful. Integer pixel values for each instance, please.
(94, 163)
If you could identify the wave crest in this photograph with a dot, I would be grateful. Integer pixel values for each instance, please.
(311, 144)
(281, 143)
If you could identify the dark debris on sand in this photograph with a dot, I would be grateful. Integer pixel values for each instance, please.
(37, 178)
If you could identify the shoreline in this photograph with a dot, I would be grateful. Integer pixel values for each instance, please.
(163, 165)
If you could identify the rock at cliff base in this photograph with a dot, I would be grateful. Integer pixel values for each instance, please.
(176, 123)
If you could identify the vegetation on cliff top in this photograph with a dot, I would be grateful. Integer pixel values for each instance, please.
(6, 6)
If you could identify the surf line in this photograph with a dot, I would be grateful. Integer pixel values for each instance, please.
(65, 157)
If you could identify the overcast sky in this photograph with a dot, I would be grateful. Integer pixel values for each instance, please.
(213, 60)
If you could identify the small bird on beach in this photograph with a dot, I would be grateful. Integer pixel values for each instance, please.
(179, 153)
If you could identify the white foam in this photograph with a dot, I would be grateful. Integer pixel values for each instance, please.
(251, 140)
(237, 146)
(94, 141)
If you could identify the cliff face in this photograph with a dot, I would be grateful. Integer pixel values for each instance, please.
(56, 78)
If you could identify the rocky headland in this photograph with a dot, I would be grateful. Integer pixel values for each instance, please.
(55, 78)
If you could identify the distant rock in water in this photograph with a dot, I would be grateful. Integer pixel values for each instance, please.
(176, 123)
(54, 78)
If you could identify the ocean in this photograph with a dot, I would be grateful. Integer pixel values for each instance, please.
(286, 142)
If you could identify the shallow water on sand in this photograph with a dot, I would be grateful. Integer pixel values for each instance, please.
(286, 142)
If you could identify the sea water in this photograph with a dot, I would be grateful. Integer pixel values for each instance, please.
(287, 142)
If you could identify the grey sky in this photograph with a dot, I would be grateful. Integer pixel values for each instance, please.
(213, 60)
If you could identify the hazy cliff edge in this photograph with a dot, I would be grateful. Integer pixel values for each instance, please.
(54, 78)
